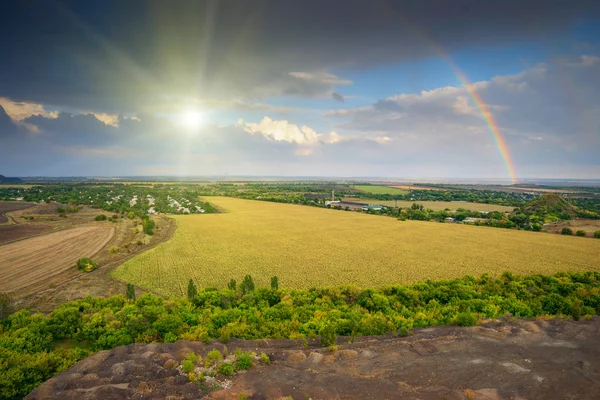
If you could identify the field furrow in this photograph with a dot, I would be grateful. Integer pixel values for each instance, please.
(28, 261)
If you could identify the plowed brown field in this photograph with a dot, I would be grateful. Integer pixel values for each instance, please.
(29, 261)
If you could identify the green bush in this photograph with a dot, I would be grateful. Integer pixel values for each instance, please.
(244, 361)
(212, 358)
(580, 233)
(86, 264)
(597, 234)
(566, 231)
(403, 331)
(265, 358)
(100, 217)
(225, 369)
(465, 319)
(188, 366)
(31, 344)
(328, 336)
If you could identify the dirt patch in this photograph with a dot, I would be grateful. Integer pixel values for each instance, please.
(28, 261)
(457, 365)
(72, 284)
(8, 206)
(11, 233)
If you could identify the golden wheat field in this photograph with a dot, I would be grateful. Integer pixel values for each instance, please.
(306, 246)
(435, 205)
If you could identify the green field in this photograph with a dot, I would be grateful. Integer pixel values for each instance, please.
(380, 189)
(306, 246)
(435, 205)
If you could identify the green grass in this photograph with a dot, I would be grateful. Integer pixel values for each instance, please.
(307, 246)
(380, 189)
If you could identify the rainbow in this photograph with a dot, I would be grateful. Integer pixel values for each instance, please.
(489, 119)
(471, 90)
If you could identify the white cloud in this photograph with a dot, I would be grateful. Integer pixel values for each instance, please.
(283, 131)
(18, 110)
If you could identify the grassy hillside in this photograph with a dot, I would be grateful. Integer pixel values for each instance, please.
(550, 203)
(306, 247)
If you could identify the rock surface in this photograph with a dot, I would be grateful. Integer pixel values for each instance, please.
(522, 359)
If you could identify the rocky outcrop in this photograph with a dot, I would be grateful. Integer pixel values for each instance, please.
(521, 359)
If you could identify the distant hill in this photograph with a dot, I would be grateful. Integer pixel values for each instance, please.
(4, 179)
(551, 203)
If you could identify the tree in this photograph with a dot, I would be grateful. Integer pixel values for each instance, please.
(247, 284)
(192, 290)
(6, 307)
(274, 283)
(566, 231)
(232, 284)
(130, 294)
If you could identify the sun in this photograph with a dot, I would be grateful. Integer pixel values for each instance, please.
(191, 118)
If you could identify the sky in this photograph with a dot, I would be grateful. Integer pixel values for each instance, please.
(401, 89)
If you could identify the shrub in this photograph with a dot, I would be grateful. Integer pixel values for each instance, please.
(265, 358)
(580, 233)
(212, 358)
(226, 369)
(114, 250)
(403, 331)
(100, 217)
(86, 264)
(328, 336)
(139, 243)
(188, 366)
(244, 361)
(465, 319)
(566, 231)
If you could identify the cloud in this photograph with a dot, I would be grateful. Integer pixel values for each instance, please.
(282, 130)
(156, 51)
(549, 114)
(18, 111)
(548, 111)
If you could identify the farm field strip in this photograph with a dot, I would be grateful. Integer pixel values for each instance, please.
(435, 205)
(28, 261)
(380, 189)
(306, 246)
(412, 187)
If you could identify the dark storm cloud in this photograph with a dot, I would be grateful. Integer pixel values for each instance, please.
(121, 56)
